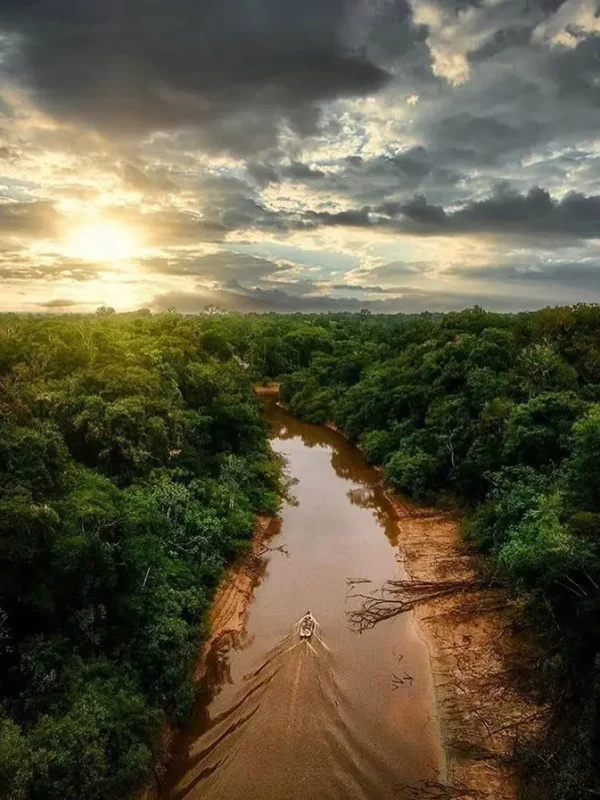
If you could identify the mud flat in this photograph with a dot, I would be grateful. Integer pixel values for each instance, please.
(484, 659)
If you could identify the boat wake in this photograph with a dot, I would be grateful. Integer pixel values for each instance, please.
(290, 732)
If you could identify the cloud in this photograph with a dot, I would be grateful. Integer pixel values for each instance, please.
(396, 173)
(583, 274)
(237, 298)
(19, 266)
(535, 213)
(234, 69)
(220, 266)
(169, 227)
(457, 30)
(142, 181)
(409, 300)
(392, 273)
(34, 219)
(573, 21)
(506, 212)
(268, 147)
(298, 171)
(58, 302)
(358, 218)
(348, 287)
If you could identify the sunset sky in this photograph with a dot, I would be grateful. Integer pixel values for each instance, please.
(309, 155)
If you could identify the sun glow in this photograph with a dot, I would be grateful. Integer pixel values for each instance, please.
(102, 241)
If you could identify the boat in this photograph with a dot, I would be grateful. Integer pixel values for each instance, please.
(307, 626)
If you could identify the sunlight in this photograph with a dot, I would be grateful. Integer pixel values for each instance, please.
(102, 241)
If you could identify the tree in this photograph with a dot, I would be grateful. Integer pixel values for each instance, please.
(538, 432)
(15, 761)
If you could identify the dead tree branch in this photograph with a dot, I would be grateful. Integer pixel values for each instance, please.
(398, 597)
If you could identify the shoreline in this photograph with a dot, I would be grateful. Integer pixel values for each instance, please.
(483, 662)
(482, 658)
(226, 617)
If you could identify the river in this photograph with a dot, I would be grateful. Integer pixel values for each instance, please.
(346, 715)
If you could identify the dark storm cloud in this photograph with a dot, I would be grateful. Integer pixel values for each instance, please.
(504, 213)
(368, 180)
(359, 218)
(157, 64)
(230, 203)
(263, 174)
(473, 139)
(302, 172)
(576, 72)
(535, 213)
(371, 180)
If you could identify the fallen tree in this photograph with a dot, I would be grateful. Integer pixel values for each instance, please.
(399, 596)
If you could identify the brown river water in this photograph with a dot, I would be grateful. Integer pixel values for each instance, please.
(346, 715)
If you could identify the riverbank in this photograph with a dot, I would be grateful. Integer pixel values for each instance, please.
(483, 659)
(226, 618)
(229, 610)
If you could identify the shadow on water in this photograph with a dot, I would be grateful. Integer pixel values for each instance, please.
(279, 717)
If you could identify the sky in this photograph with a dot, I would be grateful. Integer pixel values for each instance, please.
(277, 155)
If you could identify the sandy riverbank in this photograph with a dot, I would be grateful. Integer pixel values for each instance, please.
(484, 656)
(483, 660)
(227, 617)
(229, 610)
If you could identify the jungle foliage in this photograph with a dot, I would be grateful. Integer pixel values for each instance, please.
(133, 459)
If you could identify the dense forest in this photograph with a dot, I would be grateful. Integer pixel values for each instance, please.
(133, 458)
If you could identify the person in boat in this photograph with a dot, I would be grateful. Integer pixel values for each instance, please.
(307, 625)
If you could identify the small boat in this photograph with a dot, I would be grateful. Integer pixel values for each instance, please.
(307, 626)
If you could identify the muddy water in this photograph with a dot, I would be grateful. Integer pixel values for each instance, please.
(346, 715)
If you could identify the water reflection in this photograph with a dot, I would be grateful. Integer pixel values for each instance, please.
(346, 460)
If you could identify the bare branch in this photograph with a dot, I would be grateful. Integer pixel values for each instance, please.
(398, 597)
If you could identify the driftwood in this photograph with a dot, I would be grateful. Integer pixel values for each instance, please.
(398, 597)
(264, 549)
